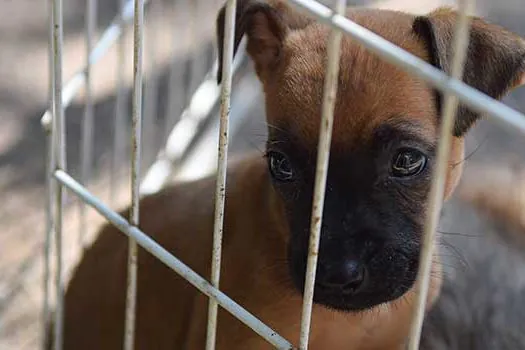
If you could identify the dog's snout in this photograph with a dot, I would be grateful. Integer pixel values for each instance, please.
(349, 276)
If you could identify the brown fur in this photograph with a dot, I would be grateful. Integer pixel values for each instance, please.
(253, 274)
(289, 54)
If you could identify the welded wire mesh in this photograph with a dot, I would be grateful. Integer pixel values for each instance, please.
(193, 116)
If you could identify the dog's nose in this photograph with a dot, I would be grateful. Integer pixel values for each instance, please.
(348, 276)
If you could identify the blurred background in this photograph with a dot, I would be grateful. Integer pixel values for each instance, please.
(179, 47)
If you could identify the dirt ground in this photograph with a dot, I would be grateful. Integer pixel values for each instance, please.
(23, 95)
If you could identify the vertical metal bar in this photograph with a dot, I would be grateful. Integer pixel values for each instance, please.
(176, 74)
(151, 86)
(119, 126)
(59, 162)
(50, 183)
(50, 165)
(131, 297)
(87, 123)
(47, 240)
(323, 156)
(220, 190)
(461, 40)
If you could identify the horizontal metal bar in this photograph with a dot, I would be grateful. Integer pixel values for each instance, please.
(107, 40)
(478, 101)
(172, 262)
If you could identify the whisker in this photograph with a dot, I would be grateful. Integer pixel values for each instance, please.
(455, 251)
(471, 153)
(461, 234)
(270, 126)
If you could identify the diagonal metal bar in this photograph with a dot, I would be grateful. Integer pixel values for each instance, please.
(172, 262)
(107, 40)
(476, 100)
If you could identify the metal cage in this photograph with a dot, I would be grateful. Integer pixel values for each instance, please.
(185, 129)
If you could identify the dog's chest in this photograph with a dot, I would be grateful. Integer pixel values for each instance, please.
(341, 332)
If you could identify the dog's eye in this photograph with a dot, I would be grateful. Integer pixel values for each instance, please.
(408, 162)
(280, 166)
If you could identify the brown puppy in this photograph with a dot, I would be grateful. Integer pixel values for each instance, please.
(383, 153)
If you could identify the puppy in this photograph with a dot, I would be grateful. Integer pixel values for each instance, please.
(383, 153)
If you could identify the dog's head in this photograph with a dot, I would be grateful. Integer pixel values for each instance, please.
(384, 138)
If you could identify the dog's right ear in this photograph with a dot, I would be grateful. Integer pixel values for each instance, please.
(495, 61)
(266, 24)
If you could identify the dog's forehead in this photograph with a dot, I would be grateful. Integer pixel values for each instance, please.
(371, 92)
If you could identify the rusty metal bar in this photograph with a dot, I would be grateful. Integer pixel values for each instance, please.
(136, 134)
(220, 191)
(323, 156)
(460, 45)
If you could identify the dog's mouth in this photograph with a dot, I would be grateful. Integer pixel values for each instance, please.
(352, 301)
(388, 277)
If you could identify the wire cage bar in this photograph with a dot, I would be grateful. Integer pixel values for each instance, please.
(323, 156)
(58, 161)
(220, 190)
(136, 148)
(87, 122)
(178, 141)
(50, 163)
(437, 189)
(172, 262)
(113, 33)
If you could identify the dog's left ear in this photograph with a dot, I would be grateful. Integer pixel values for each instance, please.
(495, 61)
(266, 24)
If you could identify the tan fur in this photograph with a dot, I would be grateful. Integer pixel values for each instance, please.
(253, 273)
(170, 312)
(304, 55)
